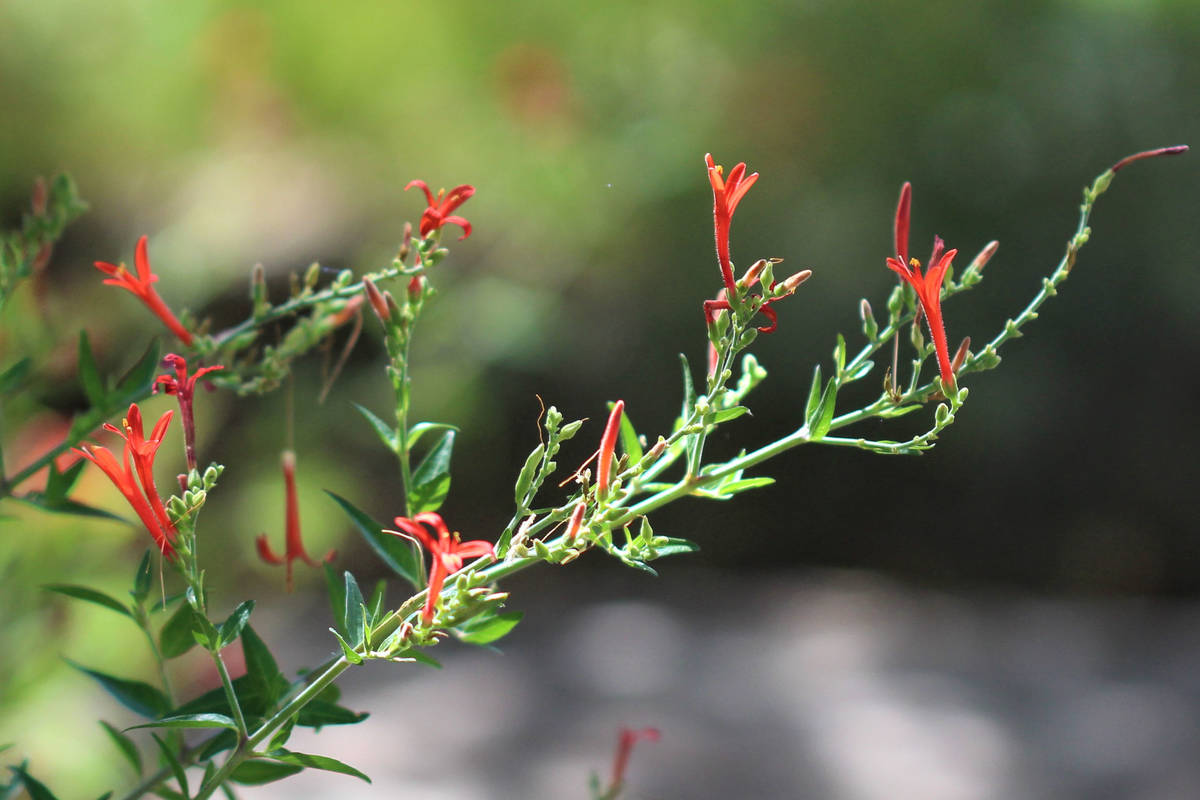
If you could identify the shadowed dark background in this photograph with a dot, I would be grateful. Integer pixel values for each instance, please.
(283, 133)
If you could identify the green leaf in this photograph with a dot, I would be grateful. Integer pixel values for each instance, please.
(173, 762)
(727, 414)
(814, 394)
(525, 477)
(141, 698)
(839, 354)
(315, 762)
(734, 487)
(176, 637)
(37, 790)
(347, 649)
(132, 385)
(431, 479)
(354, 611)
(231, 628)
(142, 579)
(421, 428)
(689, 390)
(126, 746)
(58, 484)
(257, 772)
(629, 438)
(318, 713)
(14, 376)
(819, 423)
(89, 596)
(398, 553)
(378, 599)
(420, 657)
(489, 630)
(263, 678)
(279, 738)
(89, 374)
(675, 547)
(336, 588)
(859, 372)
(40, 500)
(386, 433)
(190, 721)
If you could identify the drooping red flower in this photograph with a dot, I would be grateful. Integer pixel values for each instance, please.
(928, 285)
(441, 207)
(141, 451)
(608, 446)
(294, 546)
(142, 287)
(626, 739)
(183, 387)
(727, 193)
(446, 549)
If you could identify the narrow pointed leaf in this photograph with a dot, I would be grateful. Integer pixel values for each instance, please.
(142, 579)
(58, 484)
(318, 714)
(132, 385)
(172, 760)
(89, 374)
(138, 697)
(354, 611)
(421, 428)
(336, 587)
(386, 433)
(13, 377)
(398, 553)
(820, 423)
(40, 500)
(176, 636)
(347, 649)
(525, 477)
(675, 547)
(725, 415)
(629, 438)
(263, 678)
(814, 394)
(89, 596)
(190, 721)
(491, 629)
(431, 479)
(315, 762)
(689, 390)
(258, 772)
(36, 789)
(232, 627)
(126, 746)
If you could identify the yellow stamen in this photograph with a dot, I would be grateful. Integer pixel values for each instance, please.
(912, 262)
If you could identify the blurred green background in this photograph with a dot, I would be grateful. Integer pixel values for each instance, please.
(283, 132)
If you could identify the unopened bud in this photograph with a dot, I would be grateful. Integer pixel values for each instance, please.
(312, 275)
(406, 242)
(378, 304)
(870, 326)
(576, 521)
(960, 355)
(339, 318)
(414, 289)
(656, 451)
(392, 305)
(980, 261)
(752, 274)
(38, 201)
(258, 290)
(792, 283)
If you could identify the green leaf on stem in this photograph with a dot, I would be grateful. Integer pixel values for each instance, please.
(172, 760)
(727, 414)
(431, 478)
(176, 636)
(314, 762)
(421, 428)
(133, 383)
(400, 554)
(336, 587)
(839, 354)
(814, 394)
(142, 579)
(674, 547)
(125, 745)
(232, 627)
(58, 484)
(89, 596)
(141, 698)
(861, 371)
(40, 500)
(279, 738)
(319, 713)
(258, 772)
(36, 789)
(264, 681)
(525, 477)
(387, 434)
(13, 377)
(190, 721)
(487, 630)
(745, 484)
(354, 611)
(378, 599)
(819, 422)
(89, 374)
(689, 391)
(347, 649)
(629, 438)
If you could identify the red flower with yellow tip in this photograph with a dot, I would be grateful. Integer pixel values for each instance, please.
(928, 285)
(440, 210)
(446, 549)
(727, 193)
(142, 287)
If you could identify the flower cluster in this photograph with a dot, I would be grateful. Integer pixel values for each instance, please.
(140, 450)
(441, 208)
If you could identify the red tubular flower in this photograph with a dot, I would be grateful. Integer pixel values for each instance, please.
(184, 387)
(293, 543)
(626, 739)
(142, 287)
(608, 445)
(439, 211)
(576, 521)
(928, 286)
(144, 500)
(727, 193)
(446, 549)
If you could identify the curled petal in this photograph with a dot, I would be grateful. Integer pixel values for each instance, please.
(903, 215)
(424, 188)
(460, 222)
(265, 552)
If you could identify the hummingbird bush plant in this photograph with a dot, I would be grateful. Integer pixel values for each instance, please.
(183, 746)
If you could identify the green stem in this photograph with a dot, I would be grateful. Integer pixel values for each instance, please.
(230, 695)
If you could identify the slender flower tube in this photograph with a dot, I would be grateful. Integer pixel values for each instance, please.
(608, 446)
(576, 521)
(141, 451)
(184, 387)
(928, 286)
(727, 193)
(447, 551)
(441, 207)
(626, 739)
(294, 545)
(142, 287)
